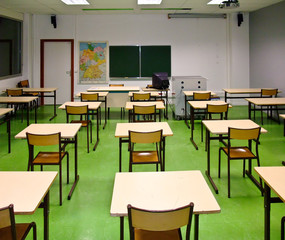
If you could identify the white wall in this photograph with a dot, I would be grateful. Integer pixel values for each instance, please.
(213, 48)
(199, 46)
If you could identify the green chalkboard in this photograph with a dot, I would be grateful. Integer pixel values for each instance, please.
(139, 61)
(124, 61)
(155, 59)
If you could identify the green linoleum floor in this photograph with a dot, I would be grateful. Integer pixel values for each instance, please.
(87, 215)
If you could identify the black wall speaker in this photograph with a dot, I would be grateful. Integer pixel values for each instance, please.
(239, 18)
(53, 20)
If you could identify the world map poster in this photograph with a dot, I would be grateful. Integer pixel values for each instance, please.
(92, 62)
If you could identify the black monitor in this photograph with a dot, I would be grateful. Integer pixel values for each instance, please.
(160, 80)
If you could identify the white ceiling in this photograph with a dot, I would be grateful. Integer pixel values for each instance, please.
(58, 7)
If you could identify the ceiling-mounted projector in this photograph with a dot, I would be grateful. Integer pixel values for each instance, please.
(229, 4)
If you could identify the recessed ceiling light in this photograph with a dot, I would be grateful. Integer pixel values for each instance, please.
(149, 2)
(217, 2)
(76, 2)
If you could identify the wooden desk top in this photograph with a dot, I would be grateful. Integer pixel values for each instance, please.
(114, 89)
(152, 93)
(158, 104)
(101, 94)
(282, 116)
(274, 178)
(191, 93)
(266, 101)
(162, 191)
(36, 90)
(25, 190)
(91, 105)
(17, 99)
(122, 129)
(244, 90)
(67, 130)
(3, 111)
(221, 126)
(203, 104)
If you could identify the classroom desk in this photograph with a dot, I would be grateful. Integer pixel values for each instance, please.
(162, 191)
(27, 191)
(283, 117)
(122, 132)
(161, 96)
(42, 92)
(219, 128)
(118, 96)
(5, 117)
(241, 91)
(92, 106)
(188, 95)
(196, 106)
(27, 101)
(270, 102)
(159, 106)
(273, 178)
(102, 98)
(68, 134)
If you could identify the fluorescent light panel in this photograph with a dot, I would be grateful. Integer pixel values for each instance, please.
(149, 2)
(217, 2)
(76, 2)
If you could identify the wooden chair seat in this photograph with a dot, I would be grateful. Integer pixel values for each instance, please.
(22, 230)
(145, 157)
(48, 158)
(151, 235)
(239, 152)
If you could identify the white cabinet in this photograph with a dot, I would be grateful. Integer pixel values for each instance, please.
(185, 83)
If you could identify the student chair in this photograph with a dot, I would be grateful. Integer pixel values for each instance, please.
(15, 93)
(145, 153)
(148, 224)
(202, 96)
(269, 93)
(91, 97)
(9, 230)
(122, 109)
(240, 152)
(45, 141)
(83, 113)
(144, 113)
(140, 97)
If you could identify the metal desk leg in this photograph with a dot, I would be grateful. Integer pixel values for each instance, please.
(196, 231)
(36, 111)
(163, 157)
(105, 113)
(226, 96)
(208, 173)
(266, 212)
(185, 111)
(96, 144)
(9, 132)
(192, 128)
(28, 114)
(54, 106)
(121, 228)
(76, 177)
(45, 206)
(249, 110)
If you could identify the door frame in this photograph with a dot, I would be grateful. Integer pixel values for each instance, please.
(42, 63)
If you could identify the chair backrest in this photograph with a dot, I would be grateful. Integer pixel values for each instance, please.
(89, 97)
(269, 92)
(116, 85)
(43, 139)
(76, 110)
(14, 92)
(24, 84)
(145, 137)
(201, 96)
(217, 109)
(244, 133)
(160, 220)
(141, 96)
(7, 219)
(148, 111)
